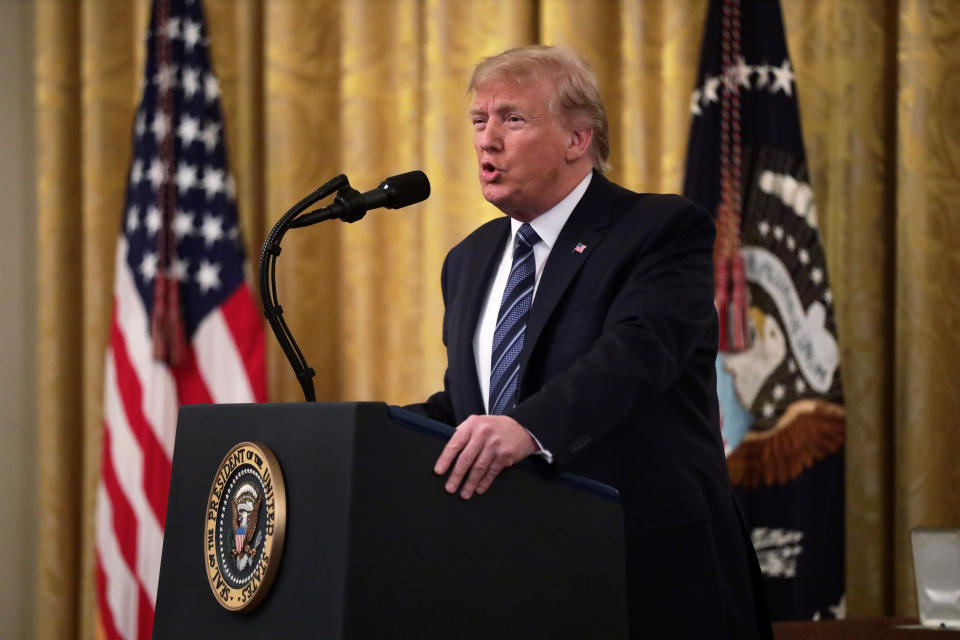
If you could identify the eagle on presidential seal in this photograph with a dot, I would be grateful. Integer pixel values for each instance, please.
(246, 509)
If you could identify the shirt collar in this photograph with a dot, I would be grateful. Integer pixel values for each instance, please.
(549, 223)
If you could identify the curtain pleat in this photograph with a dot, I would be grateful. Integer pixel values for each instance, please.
(60, 332)
(371, 88)
(302, 48)
(108, 79)
(927, 320)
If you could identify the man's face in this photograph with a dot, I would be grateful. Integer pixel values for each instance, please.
(521, 147)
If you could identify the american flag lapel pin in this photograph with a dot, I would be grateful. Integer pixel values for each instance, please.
(580, 247)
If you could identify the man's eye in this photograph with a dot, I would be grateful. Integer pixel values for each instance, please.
(478, 123)
(514, 119)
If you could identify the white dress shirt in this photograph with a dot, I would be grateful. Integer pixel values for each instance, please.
(548, 226)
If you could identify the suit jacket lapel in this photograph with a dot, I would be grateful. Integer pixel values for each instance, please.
(586, 226)
(477, 275)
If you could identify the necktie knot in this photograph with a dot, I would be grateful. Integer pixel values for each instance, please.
(526, 235)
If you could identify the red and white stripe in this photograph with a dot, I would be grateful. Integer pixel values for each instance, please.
(224, 363)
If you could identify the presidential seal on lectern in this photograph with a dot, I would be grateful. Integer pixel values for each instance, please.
(245, 524)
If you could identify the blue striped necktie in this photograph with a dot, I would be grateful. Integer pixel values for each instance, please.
(511, 322)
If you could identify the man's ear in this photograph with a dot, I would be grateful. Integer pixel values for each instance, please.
(578, 143)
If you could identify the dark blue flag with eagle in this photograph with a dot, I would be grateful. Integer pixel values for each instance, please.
(778, 370)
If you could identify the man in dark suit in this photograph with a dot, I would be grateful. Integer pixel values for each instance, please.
(581, 329)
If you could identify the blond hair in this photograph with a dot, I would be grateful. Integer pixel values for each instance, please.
(576, 89)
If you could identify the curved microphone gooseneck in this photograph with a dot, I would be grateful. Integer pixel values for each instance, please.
(349, 205)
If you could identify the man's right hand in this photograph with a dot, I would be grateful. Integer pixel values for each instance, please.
(483, 446)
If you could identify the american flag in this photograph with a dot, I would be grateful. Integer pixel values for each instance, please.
(185, 327)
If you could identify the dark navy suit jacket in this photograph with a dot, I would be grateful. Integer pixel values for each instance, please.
(617, 380)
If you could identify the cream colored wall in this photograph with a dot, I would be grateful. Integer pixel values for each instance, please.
(18, 529)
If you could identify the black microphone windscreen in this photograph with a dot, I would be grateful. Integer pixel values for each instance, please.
(406, 189)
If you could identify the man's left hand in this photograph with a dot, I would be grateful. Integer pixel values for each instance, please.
(483, 446)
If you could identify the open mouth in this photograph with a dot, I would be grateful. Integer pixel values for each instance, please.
(488, 171)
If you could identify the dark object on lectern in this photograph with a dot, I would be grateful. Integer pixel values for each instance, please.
(375, 548)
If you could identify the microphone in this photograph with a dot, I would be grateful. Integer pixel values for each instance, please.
(350, 205)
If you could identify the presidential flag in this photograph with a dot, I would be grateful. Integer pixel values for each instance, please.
(778, 372)
(185, 327)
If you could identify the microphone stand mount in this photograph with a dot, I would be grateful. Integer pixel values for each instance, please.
(268, 271)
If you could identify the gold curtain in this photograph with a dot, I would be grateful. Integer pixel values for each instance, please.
(312, 88)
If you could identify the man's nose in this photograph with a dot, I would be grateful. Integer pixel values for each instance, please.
(491, 138)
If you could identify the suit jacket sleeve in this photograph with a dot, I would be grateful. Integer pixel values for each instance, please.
(661, 313)
(439, 406)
